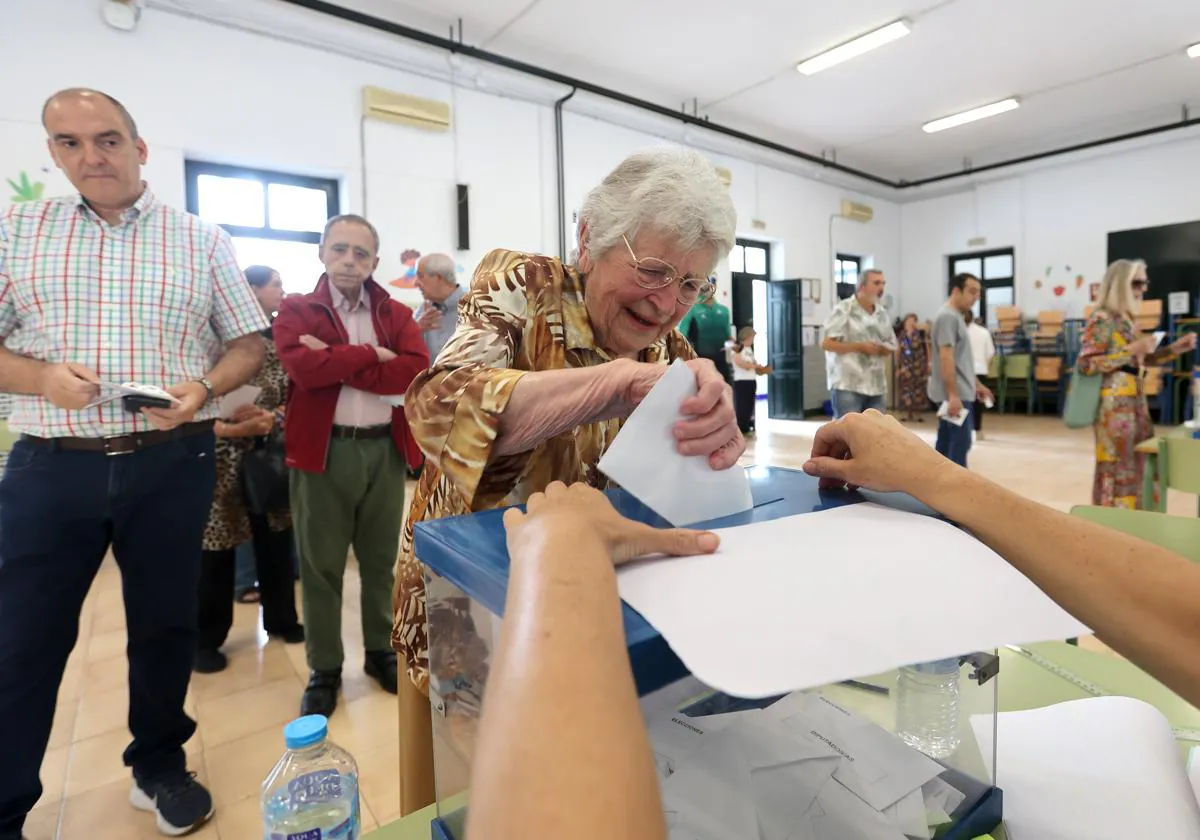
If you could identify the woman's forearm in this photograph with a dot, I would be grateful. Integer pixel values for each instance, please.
(545, 404)
(1139, 598)
(562, 748)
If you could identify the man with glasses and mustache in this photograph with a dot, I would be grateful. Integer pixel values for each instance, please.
(350, 352)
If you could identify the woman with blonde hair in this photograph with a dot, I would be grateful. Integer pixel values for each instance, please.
(1115, 349)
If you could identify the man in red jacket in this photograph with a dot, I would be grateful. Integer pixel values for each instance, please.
(350, 351)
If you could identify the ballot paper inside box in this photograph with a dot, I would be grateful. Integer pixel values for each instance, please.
(822, 763)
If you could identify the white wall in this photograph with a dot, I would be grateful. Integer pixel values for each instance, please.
(1057, 219)
(217, 93)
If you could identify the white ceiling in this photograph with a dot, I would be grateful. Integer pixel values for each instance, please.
(1084, 69)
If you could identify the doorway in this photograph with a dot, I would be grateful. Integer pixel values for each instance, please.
(995, 270)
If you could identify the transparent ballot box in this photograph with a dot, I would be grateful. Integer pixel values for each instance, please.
(898, 747)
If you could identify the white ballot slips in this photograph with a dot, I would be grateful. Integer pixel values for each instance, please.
(644, 461)
(802, 769)
(799, 602)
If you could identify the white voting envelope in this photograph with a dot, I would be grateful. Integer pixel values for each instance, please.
(644, 460)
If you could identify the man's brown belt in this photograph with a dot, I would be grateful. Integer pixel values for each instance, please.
(122, 444)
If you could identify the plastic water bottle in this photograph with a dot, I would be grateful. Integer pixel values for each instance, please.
(312, 794)
(927, 707)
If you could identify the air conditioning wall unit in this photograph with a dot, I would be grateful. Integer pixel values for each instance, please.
(857, 212)
(400, 108)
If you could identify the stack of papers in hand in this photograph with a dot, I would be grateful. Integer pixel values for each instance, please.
(943, 413)
(802, 769)
(110, 391)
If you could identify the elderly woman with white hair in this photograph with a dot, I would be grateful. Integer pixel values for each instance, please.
(547, 362)
(1114, 349)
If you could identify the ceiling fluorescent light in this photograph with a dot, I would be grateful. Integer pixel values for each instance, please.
(1194, 51)
(971, 116)
(860, 45)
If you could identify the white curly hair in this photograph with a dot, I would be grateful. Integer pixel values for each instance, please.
(671, 191)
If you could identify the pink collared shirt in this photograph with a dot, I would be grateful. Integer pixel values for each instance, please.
(355, 407)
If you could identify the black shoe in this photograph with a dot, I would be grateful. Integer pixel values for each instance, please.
(181, 803)
(381, 666)
(320, 697)
(291, 637)
(209, 661)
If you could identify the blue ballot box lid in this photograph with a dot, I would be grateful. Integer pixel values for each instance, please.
(470, 552)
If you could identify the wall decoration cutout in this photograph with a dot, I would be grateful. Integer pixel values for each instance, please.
(25, 190)
(1037, 284)
(1059, 291)
(407, 280)
(1078, 281)
(1093, 292)
(1049, 268)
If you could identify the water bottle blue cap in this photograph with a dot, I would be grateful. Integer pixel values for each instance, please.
(305, 731)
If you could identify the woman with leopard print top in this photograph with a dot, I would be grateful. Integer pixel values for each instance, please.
(231, 524)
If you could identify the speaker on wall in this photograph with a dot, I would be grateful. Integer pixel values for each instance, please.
(464, 219)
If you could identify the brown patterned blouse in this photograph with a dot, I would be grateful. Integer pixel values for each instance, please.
(522, 313)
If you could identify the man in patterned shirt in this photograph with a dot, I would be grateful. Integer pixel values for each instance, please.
(110, 285)
(858, 340)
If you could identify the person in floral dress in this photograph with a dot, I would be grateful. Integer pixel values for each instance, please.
(912, 369)
(1113, 348)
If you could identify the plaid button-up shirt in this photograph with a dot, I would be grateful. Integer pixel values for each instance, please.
(150, 300)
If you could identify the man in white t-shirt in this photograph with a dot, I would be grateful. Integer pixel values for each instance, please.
(983, 349)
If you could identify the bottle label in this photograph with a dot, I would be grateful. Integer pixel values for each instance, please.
(323, 785)
(320, 784)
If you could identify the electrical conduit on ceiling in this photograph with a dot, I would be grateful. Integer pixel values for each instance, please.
(485, 56)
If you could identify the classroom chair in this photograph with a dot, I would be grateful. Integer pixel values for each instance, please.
(1179, 466)
(1016, 381)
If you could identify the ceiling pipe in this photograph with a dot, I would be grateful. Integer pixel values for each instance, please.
(558, 78)
(453, 46)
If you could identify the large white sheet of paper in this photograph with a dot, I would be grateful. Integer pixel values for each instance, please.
(806, 600)
(644, 461)
(1104, 768)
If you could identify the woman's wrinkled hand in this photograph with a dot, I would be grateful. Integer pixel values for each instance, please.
(579, 511)
(874, 451)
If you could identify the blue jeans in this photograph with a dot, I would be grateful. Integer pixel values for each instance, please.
(852, 402)
(245, 576)
(60, 511)
(955, 441)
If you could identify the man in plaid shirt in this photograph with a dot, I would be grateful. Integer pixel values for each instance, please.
(110, 285)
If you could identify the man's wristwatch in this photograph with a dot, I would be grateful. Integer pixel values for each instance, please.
(203, 380)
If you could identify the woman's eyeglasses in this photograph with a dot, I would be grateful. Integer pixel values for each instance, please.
(652, 273)
(1141, 285)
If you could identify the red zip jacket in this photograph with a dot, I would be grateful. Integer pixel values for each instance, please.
(316, 377)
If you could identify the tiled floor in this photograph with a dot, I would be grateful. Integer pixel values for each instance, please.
(242, 710)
